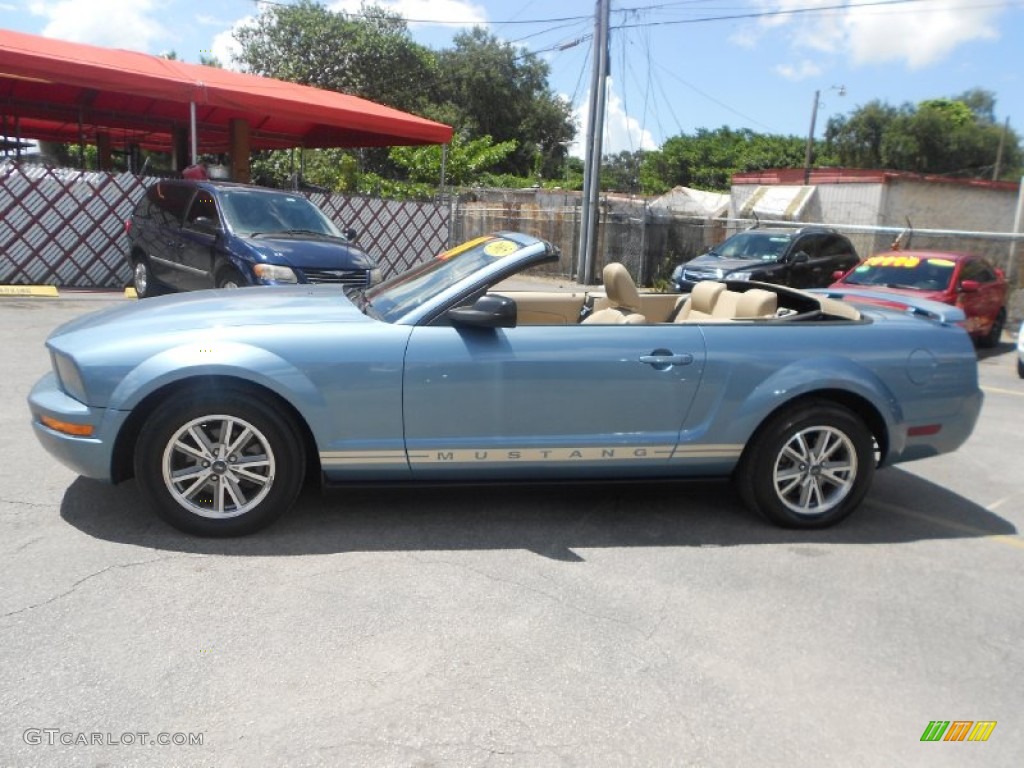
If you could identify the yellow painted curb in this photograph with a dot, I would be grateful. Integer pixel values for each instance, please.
(28, 290)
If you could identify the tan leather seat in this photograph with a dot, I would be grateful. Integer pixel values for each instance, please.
(725, 307)
(623, 299)
(756, 302)
(701, 302)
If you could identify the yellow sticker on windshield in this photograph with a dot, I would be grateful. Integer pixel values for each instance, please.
(453, 252)
(942, 263)
(893, 261)
(501, 248)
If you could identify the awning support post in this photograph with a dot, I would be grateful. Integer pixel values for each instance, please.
(195, 135)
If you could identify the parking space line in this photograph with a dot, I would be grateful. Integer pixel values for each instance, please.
(1013, 541)
(1003, 391)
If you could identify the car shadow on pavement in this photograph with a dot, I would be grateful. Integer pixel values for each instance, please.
(551, 520)
(1005, 346)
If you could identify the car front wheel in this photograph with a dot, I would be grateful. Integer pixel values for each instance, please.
(808, 467)
(229, 278)
(221, 463)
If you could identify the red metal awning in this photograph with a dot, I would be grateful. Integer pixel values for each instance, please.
(59, 91)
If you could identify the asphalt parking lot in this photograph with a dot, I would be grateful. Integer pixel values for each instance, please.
(648, 625)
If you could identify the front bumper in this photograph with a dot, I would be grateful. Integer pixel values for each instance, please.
(87, 456)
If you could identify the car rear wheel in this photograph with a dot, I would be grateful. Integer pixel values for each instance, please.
(995, 333)
(221, 463)
(142, 279)
(808, 467)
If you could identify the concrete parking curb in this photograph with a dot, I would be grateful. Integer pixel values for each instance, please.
(53, 292)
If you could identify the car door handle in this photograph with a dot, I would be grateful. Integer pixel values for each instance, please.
(665, 359)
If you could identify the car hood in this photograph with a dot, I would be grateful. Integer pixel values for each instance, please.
(918, 293)
(708, 262)
(212, 309)
(893, 302)
(309, 251)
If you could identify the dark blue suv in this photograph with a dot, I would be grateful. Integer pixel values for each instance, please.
(185, 235)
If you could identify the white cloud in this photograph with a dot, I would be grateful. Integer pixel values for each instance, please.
(918, 35)
(225, 47)
(921, 38)
(801, 71)
(112, 23)
(621, 132)
(451, 13)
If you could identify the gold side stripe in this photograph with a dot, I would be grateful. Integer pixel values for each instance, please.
(537, 455)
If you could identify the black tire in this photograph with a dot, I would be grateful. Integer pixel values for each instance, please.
(807, 494)
(212, 494)
(142, 278)
(995, 333)
(230, 278)
(1020, 367)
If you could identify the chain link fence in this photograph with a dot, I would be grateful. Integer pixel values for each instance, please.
(67, 227)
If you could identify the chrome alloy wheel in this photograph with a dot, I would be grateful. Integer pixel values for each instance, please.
(815, 470)
(141, 277)
(218, 466)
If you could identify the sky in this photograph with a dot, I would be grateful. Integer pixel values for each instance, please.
(676, 67)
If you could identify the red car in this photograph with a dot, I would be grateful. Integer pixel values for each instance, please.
(961, 279)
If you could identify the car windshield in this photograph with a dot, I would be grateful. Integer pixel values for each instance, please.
(762, 246)
(399, 295)
(252, 212)
(924, 274)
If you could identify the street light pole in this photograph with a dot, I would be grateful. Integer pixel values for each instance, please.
(810, 140)
(810, 134)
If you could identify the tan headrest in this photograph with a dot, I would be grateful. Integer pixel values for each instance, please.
(704, 295)
(620, 287)
(757, 302)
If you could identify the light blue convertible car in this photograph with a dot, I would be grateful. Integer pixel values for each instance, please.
(222, 403)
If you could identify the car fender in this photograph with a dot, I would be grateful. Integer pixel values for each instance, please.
(225, 358)
(799, 379)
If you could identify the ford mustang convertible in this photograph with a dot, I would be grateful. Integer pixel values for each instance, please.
(222, 403)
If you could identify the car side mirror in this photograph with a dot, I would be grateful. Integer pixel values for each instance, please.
(350, 234)
(800, 257)
(969, 286)
(486, 312)
(205, 224)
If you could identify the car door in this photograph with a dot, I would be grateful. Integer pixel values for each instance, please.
(169, 202)
(576, 400)
(198, 238)
(812, 272)
(980, 306)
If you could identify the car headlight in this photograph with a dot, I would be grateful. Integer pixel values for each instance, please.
(376, 275)
(271, 273)
(740, 275)
(69, 375)
(677, 274)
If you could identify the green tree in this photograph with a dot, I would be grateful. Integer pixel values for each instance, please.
(949, 136)
(709, 159)
(467, 162)
(370, 55)
(621, 172)
(490, 88)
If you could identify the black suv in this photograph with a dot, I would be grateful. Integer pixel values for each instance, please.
(186, 235)
(800, 258)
